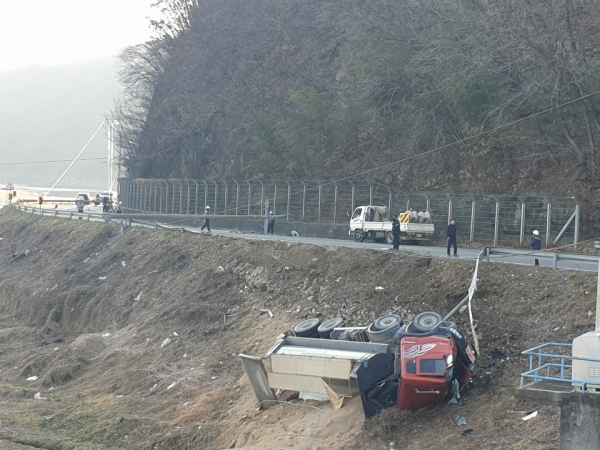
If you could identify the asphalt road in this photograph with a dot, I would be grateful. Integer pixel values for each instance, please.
(440, 252)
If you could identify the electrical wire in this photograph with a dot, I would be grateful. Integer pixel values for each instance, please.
(51, 161)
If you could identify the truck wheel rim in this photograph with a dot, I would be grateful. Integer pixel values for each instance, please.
(428, 321)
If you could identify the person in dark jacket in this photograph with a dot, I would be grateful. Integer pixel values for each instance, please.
(451, 236)
(271, 224)
(206, 221)
(396, 232)
(536, 244)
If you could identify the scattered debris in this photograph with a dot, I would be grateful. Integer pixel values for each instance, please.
(102, 278)
(106, 335)
(530, 415)
(461, 421)
(33, 378)
(379, 288)
(468, 432)
(123, 264)
(175, 333)
(41, 344)
(166, 342)
(139, 296)
(268, 311)
(220, 269)
(56, 349)
(172, 385)
(38, 396)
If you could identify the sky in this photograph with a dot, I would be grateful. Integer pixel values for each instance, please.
(49, 32)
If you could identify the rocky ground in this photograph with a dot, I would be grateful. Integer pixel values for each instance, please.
(131, 341)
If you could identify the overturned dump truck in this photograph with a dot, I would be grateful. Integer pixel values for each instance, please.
(388, 363)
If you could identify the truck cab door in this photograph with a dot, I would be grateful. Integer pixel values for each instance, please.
(357, 220)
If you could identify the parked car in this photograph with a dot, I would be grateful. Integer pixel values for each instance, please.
(85, 195)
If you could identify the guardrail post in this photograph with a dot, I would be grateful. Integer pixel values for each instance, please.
(473, 211)
(70, 216)
(487, 254)
(55, 213)
(555, 261)
(89, 218)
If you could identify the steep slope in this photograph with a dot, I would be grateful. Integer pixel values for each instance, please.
(116, 382)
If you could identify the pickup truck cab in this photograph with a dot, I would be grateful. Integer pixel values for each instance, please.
(373, 222)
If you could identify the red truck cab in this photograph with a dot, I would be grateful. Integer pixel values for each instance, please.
(428, 367)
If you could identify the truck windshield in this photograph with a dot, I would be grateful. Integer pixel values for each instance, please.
(357, 213)
(434, 366)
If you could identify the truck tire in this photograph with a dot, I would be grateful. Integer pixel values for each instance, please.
(327, 327)
(359, 236)
(386, 321)
(426, 321)
(386, 335)
(308, 328)
(389, 238)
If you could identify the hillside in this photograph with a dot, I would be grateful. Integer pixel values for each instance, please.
(108, 382)
(340, 88)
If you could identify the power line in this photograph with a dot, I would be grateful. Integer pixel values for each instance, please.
(51, 161)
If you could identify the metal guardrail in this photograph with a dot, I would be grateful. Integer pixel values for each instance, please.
(556, 257)
(557, 367)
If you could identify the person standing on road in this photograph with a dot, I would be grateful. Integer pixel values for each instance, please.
(451, 236)
(206, 221)
(536, 244)
(396, 232)
(271, 224)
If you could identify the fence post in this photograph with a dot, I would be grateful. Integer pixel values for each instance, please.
(522, 229)
(577, 212)
(353, 194)
(335, 200)
(303, 199)
(473, 212)
(496, 219)
(274, 209)
(249, 197)
(196, 197)
(180, 197)
(548, 219)
(319, 208)
(449, 207)
(166, 198)
(189, 197)
(216, 196)
(173, 200)
(428, 204)
(205, 195)
(155, 195)
(370, 193)
(237, 197)
(226, 203)
(391, 199)
(289, 201)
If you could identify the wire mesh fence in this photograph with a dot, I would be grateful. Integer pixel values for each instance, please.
(483, 218)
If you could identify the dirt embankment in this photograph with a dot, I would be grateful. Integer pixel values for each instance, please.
(142, 333)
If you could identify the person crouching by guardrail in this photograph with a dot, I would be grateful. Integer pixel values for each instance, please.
(536, 244)
(119, 207)
(206, 221)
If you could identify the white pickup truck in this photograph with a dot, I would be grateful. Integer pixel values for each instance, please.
(373, 222)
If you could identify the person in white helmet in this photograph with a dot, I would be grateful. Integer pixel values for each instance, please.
(536, 244)
(271, 224)
(206, 221)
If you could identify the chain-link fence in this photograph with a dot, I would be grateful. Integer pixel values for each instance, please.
(483, 218)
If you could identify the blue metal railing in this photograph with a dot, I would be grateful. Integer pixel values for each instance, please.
(553, 363)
